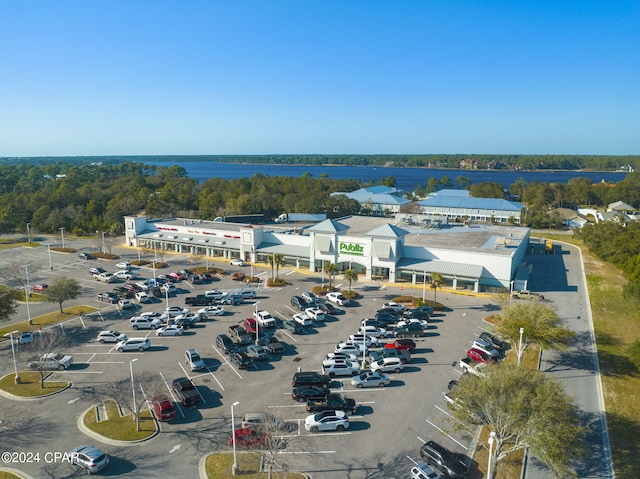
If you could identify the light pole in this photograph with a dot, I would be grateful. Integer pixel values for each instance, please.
(13, 351)
(62, 235)
(104, 246)
(511, 291)
(26, 293)
(520, 347)
(133, 386)
(234, 469)
(255, 316)
(49, 251)
(424, 285)
(166, 291)
(492, 437)
(29, 232)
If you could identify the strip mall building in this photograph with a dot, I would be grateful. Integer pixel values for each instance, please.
(473, 257)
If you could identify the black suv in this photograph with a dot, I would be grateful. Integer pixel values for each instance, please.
(299, 302)
(409, 330)
(310, 379)
(224, 342)
(122, 292)
(450, 463)
(241, 359)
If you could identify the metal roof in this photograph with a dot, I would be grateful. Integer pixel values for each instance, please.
(462, 270)
(471, 203)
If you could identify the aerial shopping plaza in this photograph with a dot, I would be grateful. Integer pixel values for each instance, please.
(476, 257)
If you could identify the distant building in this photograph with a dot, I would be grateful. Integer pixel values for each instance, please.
(377, 200)
(458, 205)
(570, 218)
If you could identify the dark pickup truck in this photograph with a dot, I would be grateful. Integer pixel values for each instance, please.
(333, 402)
(239, 335)
(199, 300)
(186, 392)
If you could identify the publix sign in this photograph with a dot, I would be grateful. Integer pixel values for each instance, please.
(351, 248)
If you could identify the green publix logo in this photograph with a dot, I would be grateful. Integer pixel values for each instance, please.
(351, 248)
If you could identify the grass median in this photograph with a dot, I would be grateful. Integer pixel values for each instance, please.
(30, 385)
(46, 320)
(219, 466)
(121, 428)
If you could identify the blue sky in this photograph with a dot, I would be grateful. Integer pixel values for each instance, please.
(305, 76)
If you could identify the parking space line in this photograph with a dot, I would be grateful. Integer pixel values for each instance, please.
(448, 435)
(171, 394)
(227, 362)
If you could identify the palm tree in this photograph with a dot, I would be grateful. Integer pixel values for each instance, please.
(271, 261)
(278, 260)
(350, 275)
(331, 269)
(436, 282)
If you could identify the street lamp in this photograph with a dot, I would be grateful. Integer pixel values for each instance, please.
(26, 293)
(234, 469)
(49, 251)
(492, 437)
(13, 351)
(62, 235)
(255, 316)
(424, 285)
(29, 232)
(133, 386)
(166, 291)
(511, 291)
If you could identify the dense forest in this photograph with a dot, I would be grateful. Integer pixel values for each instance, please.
(511, 162)
(86, 197)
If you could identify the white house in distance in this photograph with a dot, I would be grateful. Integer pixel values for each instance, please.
(478, 257)
(458, 205)
(380, 200)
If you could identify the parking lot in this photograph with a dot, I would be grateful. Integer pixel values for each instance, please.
(386, 431)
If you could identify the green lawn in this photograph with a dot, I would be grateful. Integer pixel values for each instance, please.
(219, 467)
(121, 428)
(46, 320)
(30, 385)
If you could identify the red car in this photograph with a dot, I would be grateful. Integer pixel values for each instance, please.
(175, 276)
(479, 356)
(248, 437)
(250, 325)
(39, 288)
(163, 408)
(132, 287)
(402, 343)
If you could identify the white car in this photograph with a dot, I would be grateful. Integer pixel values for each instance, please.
(302, 319)
(142, 285)
(337, 298)
(106, 278)
(144, 322)
(174, 311)
(387, 365)
(124, 265)
(168, 287)
(316, 314)
(211, 311)
(368, 341)
(348, 348)
(345, 356)
(341, 367)
(370, 379)
(404, 322)
(133, 344)
(393, 305)
(486, 347)
(171, 330)
(373, 331)
(125, 303)
(142, 297)
(124, 274)
(264, 319)
(213, 294)
(238, 262)
(193, 359)
(327, 421)
(111, 337)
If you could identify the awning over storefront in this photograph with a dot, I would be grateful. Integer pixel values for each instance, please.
(461, 270)
(381, 249)
(283, 249)
(322, 244)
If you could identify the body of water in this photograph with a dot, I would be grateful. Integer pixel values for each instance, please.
(406, 178)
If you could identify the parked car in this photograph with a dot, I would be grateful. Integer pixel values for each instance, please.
(168, 288)
(310, 378)
(450, 463)
(330, 309)
(304, 393)
(348, 348)
(299, 303)
(310, 298)
(240, 359)
(174, 311)
(225, 343)
(360, 339)
(97, 270)
(421, 470)
(133, 344)
(292, 326)
(480, 356)
(39, 287)
(86, 256)
(248, 437)
(186, 392)
(302, 319)
(338, 299)
(315, 314)
(370, 379)
(345, 356)
(111, 336)
(257, 351)
(264, 319)
(123, 265)
(24, 337)
(193, 359)
(170, 330)
(108, 298)
(125, 275)
(144, 322)
(334, 367)
(133, 287)
(248, 293)
(495, 341)
(403, 354)
(387, 365)
(402, 343)
(210, 311)
(142, 297)
(413, 330)
(395, 306)
(106, 278)
(238, 262)
(163, 408)
(89, 458)
(51, 362)
(486, 347)
(327, 421)
(125, 303)
(373, 331)
(238, 276)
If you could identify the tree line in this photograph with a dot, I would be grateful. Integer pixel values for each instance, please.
(84, 198)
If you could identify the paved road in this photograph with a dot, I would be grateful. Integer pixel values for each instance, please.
(561, 278)
(390, 426)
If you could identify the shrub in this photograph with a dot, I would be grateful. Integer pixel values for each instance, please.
(350, 294)
(276, 282)
(322, 290)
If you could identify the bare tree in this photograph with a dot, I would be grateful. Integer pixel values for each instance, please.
(15, 273)
(42, 352)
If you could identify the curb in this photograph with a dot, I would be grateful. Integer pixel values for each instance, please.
(13, 397)
(105, 440)
(20, 474)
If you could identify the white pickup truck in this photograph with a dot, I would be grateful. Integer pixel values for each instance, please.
(51, 361)
(468, 366)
